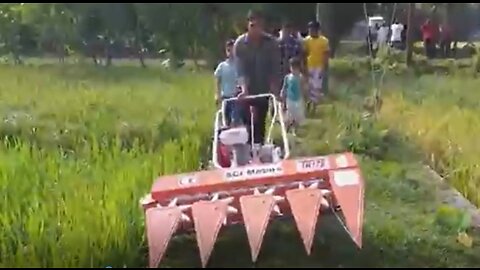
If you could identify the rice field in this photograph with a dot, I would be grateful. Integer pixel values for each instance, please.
(439, 115)
(81, 145)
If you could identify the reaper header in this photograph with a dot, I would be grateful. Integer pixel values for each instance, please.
(265, 185)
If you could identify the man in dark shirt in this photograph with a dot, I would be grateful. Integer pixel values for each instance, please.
(258, 65)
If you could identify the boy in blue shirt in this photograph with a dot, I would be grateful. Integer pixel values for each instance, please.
(293, 90)
(227, 83)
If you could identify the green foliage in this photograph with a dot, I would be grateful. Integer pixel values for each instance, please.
(452, 219)
(338, 18)
(185, 30)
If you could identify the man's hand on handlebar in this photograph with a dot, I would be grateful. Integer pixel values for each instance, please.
(242, 94)
(242, 87)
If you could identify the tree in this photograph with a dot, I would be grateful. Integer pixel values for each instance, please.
(10, 24)
(411, 12)
(104, 31)
(337, 19)
(54, 24)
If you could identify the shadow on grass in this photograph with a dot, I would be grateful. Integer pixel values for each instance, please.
(283, 248)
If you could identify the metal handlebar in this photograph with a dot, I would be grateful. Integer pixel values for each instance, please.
(277, 106)
(224, 102)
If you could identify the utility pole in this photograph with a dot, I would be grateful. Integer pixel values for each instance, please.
(411, 11)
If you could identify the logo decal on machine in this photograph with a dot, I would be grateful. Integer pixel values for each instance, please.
(253, 172)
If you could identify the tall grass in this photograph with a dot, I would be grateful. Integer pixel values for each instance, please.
(81, 146)
(440, 116)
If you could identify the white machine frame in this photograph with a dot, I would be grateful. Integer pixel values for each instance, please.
(220, 120)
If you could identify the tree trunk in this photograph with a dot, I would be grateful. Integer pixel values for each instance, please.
(334, 43)
(108, 53)
(61, 52)
(411, 10)
(325, 14)
(388, 11)
(141, 58)
(16, 59)
(94, 59)
(449, 10)
(140, 52)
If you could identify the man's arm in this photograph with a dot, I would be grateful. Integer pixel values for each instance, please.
(284, 86)
(240, 65)
(283, 93)
(218, 80)
(275, 69)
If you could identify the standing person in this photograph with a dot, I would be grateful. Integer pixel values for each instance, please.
(226, 86)
(445, 40)
(369, 40)
(317, 51)
(290, 47)
(294, 87)
(374, 40)
(428, 36)
(257, 56)
(396, 38)
(382, 35)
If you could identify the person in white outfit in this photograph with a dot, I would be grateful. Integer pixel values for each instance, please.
(382, 35)
(396, 37)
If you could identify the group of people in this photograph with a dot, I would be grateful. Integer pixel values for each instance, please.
(382, 35)
(292, 68)
(433, 35)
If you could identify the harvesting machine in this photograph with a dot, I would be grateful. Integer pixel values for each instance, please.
(253, 184)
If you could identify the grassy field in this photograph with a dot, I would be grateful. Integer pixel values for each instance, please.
(82, 145)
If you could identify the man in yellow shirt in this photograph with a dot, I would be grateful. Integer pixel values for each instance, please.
(317, 54)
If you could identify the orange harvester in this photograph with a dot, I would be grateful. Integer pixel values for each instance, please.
(253, 194)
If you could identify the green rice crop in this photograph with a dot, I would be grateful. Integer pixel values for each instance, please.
(82, 146)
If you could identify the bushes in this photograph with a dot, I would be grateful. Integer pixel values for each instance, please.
(394, 63)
